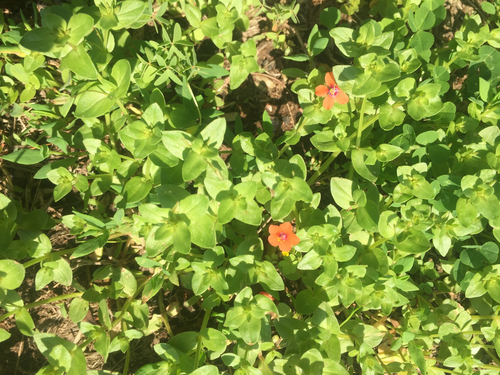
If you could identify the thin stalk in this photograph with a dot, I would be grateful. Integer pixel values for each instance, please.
(359, 134)
(39, 303)
(126, 305)
(198, 347)
(437, 369)
(323, 168)
(195, 102)
(84, 344)
(163, 314)
(487, 350)
(124, 110)
(127, 355)
(485, 317)
(350, 316)
(42, 258)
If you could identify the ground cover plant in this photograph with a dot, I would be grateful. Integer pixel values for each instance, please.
(248, 187)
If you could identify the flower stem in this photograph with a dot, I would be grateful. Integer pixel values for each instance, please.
(323, 168)
(163, 314)
(198, 347)
(39, 303)
(358, 134)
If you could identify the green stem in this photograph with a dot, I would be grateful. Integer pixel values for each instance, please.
(358, 134)
(42, 258)
(350, 316)
(198, 347)
(487, 350)
(195, 102)
(124, 110)
(437, 369)
(379, 242)
(84, 344)
(126, 305)
(485, 317)
(447, 64)
(163, 314)
(63, 252)
(39, 303)
(323, 168)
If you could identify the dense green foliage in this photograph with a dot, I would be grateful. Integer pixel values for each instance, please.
(394, 196)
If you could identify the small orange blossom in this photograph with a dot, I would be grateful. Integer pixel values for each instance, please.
(331, 92)
(283, 237)
(266, 294)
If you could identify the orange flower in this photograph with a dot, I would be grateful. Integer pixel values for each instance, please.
(332, 92)
(266, 294)
(283, 237)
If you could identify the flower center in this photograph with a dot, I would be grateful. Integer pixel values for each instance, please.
(333, 91)
(283, 237)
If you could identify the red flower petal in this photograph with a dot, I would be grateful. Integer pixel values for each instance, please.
(274, 240)
(285, 247)
(286, 228)
(328, 102)
(341, 97)
(321, 90)
(330, 80)
(274, 229)
(293, 239)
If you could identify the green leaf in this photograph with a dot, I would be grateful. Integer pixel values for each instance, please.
(213, 339)
(386, 152)
(80, 63)
(344, 253)
(93, 103)
(330, 17)
(90, 246)
(56, 350)
(182, 237)
(193, 166)
(40, 40)
(24, 322)
(194, 206)
(193, 14)
(11, 274)
(129, 11)
(249, 212)
(140, 139)
(368, 216)
(422, 19)
(206, 370)
(78, 309)
(80, 25)
(417, 357)
(490, 252)
(422, 41)
(4, 335)
(366, 164)
(209, 27)
(281, 208)
(412, 241)
(268, 276)
(492, 286)
(476, 286)
(26, 156)
(488, 8)
(341, 189)
(203, 231)
(121, 74)
(390, 117)
(213, 133)
(136, 189)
